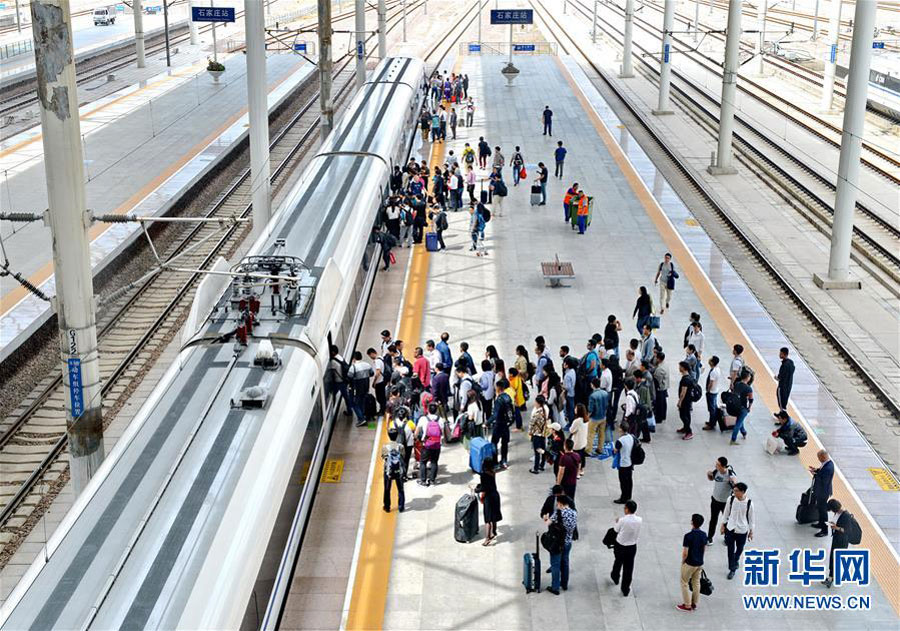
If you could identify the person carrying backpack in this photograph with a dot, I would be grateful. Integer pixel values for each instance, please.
(502, 419)
(484, 152)
(743, 394)
(429, 430)
(394, 470)
(688, 393)
(440, 224)
(518, 165)
(845, 530)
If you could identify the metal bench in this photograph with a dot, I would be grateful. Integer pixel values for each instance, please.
(556, 271)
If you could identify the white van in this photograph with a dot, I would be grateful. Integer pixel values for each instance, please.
(104, 16)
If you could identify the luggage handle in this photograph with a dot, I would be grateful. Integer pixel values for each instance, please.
(537, 543)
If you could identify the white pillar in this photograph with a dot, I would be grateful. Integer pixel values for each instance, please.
(729, 91)
(404, 21)
(382, 30)
(594, 27)
(64, 167)
(360, 30)
(326, 106)
(815, 32)
(139, 33)
(761, 8)
(18, 18)
(627, 70)
(834, 31)
(480, 6)
(665, 59)
(258, 114)
(195, 38)
(215, 43)
(696, 20)
(851, 145)
(510, 43)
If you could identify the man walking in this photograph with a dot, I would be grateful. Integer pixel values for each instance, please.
(693, 546)
(498, 162)
(737, 526)
(722, 477)
(627, 530)
(785, 378)
(560, 156)
(744, 395)
(665, 278)
(394, 470)
(517, 163)
(685, 386)
(822, 477)
(547, 117)
(623, 447)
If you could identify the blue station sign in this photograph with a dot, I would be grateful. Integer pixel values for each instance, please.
(474, 48)
(512, 16)
(300, 47)
(523, 48)
(212, 14)
(76, 390)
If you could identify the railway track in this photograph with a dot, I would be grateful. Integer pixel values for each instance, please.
(878, 400)
(34, 439)
(875, 237)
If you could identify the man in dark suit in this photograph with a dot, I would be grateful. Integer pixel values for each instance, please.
(785, 379)
(840, 536)
(822, 477)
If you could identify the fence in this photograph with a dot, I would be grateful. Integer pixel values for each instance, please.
(502, 48)
(16, 48)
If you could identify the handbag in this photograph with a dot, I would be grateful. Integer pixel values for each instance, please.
(393, 258)
(706, 586)
(609, 539)
(523, 174)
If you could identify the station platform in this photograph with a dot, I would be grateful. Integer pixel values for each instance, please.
(178, 127)
(406, 570)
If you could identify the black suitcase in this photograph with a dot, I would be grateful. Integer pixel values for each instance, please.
(484, 194)
(465, 527)
(371, 407)
(531, 568)
(807, 512)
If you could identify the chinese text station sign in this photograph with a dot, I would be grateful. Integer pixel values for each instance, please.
(512, 16)
(212, 14)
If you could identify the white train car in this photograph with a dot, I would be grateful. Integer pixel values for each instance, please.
(195, 519)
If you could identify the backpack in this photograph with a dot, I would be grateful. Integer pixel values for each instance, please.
(555, 538)
(435, 121)
(854, 532)
(388, 370)
(476, 388)
(638, 455)
(696, 392)
(442, 221)
(469, 156)
(732, 403)
(400, 427)
(509, 414)
(500, 189)
(485, 212)
(393, 465)
(432, 435)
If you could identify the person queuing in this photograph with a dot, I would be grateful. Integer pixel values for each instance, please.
(490, 499)
(723, 479)
(394, 470)
(785, 378)
(822, 489)
(567, 518)
(628, 528)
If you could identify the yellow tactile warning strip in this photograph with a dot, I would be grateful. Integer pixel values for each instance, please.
(373, 569)
(12, 298)
(884, 478)
(332, 471)
(883, 560)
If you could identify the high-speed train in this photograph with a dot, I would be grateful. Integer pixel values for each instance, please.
(195, 519)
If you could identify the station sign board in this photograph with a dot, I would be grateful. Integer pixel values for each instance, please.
(512, 16)
(212, 14)
(76, 391)
(474, 48)
(877, 44)
(523, 48)
(300, 47)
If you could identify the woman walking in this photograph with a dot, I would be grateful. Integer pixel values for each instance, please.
(643, 307)
(490, 498)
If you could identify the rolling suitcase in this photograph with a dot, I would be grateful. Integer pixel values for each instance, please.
(807, 512)
(465, 526)
(431, 241)
(535, 194)
(479, 450)
(371, 407)
(531, 568)
(483, 196)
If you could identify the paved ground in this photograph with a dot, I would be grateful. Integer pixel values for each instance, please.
(437, 583)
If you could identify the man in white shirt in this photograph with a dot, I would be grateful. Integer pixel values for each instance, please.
(627, 528)
(606, 378)
(358, 375)
(486, 381)
(713, 389)
(379, 383)
(432, 354)
(737, 525)
(737, 363)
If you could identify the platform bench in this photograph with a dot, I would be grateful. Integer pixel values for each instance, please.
(557, 271)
